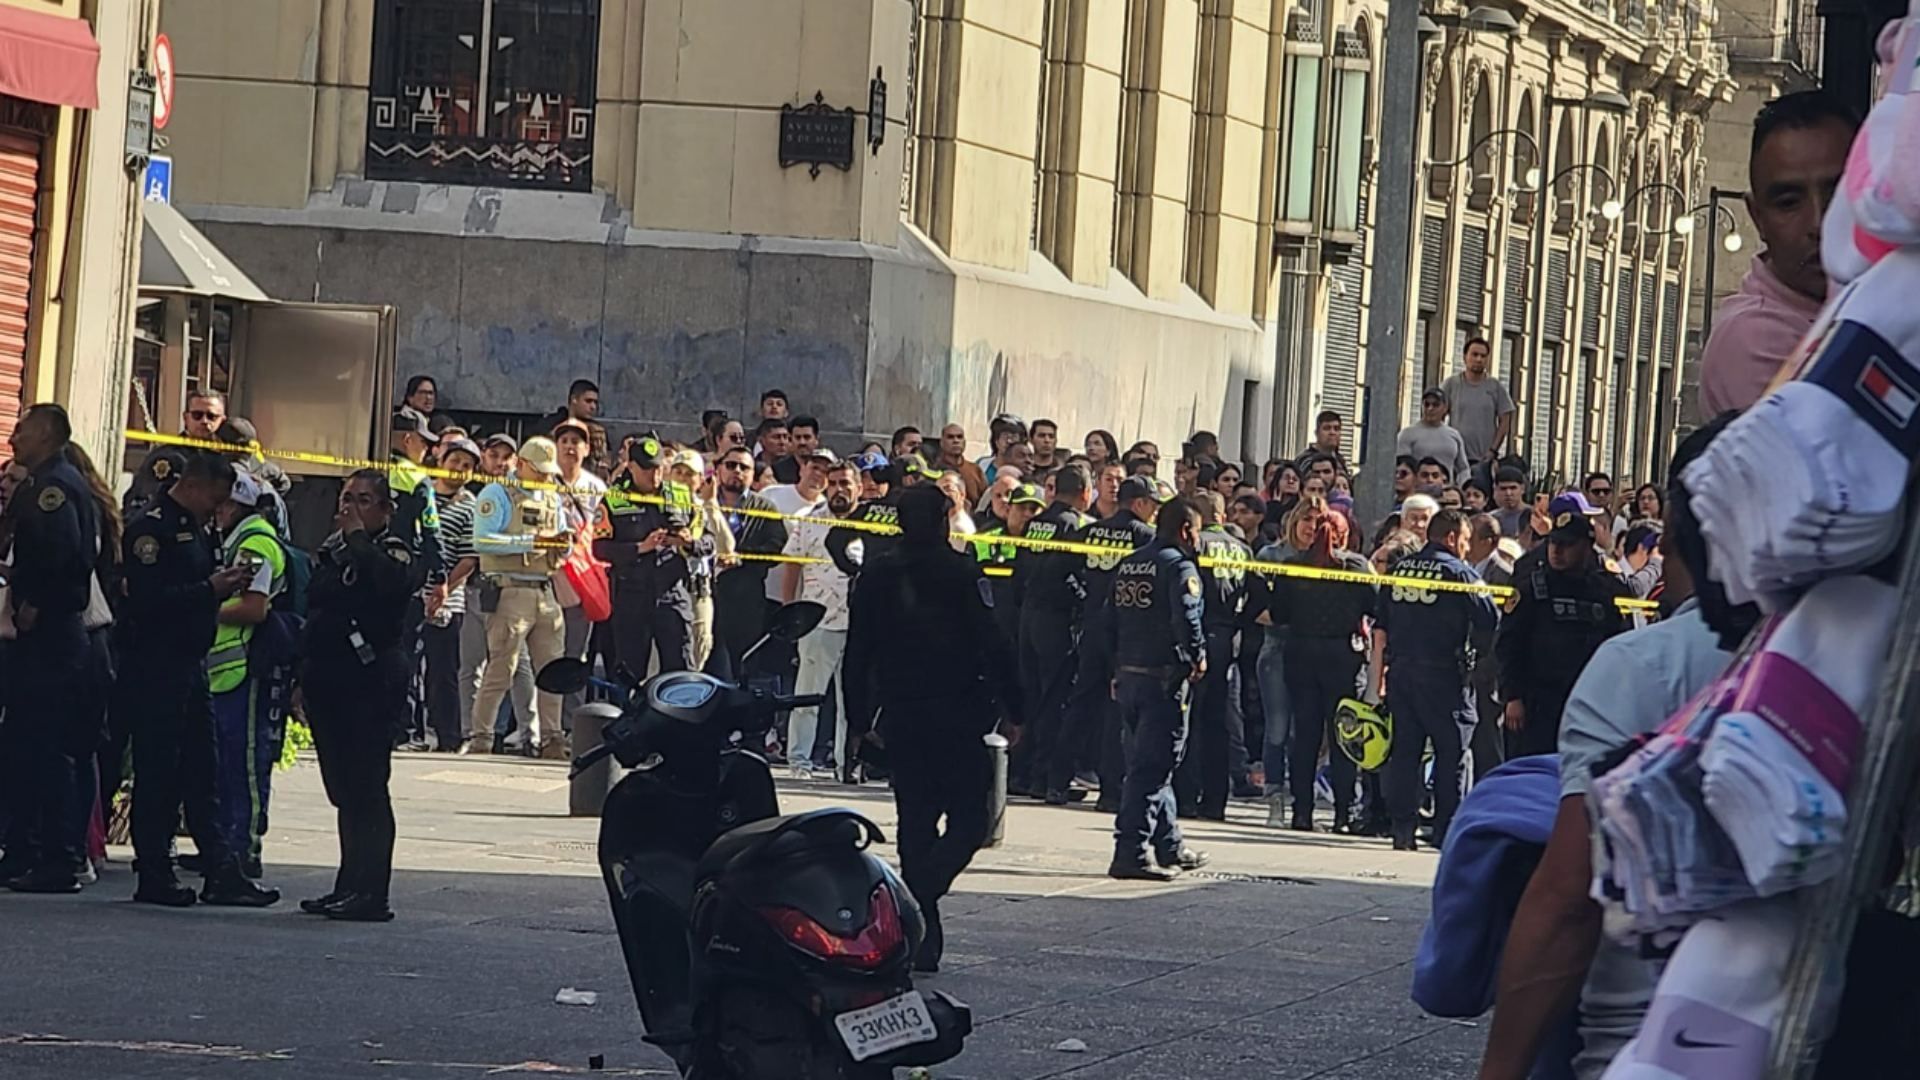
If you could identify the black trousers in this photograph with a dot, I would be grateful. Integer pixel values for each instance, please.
(354, 710)
(1091, 732)
(643, 626)
(1429, 704)
(1205, 778)
(948, 774)
(1542, 733)
(443, 682)
(174, 763)
(739, 612)
(1046, 681)
(59, 676)
(1319, 672)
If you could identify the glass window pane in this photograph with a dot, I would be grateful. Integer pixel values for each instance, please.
(1349, 128)
(1303, 117)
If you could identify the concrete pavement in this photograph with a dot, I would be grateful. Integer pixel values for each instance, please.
(1288, 958)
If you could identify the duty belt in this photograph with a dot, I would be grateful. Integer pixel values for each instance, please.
(507, 581)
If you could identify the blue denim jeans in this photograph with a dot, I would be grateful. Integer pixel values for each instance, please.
(1278, 707)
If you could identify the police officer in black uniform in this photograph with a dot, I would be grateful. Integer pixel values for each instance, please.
(1206, 777)
(44, 740)
(1050, 593)
(1425, 640)
(933, 708)
(1563, 610)
(646, 535)
(356, 686)
(1159, 649)
(168, 622)
(1093, 726)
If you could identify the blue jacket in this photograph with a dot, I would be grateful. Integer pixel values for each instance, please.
(1496, 840)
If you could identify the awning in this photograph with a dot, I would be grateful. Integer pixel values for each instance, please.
(48, 58)
(175, 257)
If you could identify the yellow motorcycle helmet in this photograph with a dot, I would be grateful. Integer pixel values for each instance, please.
(1364, 734)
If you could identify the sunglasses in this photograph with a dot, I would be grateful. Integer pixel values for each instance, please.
(739, 466)
(203, 414)
(1600, 491)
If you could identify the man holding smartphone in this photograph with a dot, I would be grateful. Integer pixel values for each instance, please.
(645, 532)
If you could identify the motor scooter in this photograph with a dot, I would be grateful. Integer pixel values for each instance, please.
(760, 947)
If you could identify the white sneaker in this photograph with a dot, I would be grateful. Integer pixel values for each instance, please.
(477, 747)
(801, 771)
(1277, 810)
(86, 875)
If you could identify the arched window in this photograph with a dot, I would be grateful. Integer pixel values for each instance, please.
(1443, 132)
(1304, 55)
(494, 92)
(1527, 173)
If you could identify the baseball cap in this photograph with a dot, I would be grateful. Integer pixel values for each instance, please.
(1028, 495)
(1138, 487)
(408, 418)
(540, 453)
(824, 454)
(646, 451)
(916, 465)
(573, 426)
(1572, 517)
(461, 444)
(501, 438)
(691, 459)
(871, 461)
(237, 430)
(1434, 393)
(246, 490)
(165, 465)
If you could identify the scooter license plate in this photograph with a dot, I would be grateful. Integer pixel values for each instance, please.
(890, 1025)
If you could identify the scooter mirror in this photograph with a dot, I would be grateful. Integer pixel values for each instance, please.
(795, 620)
(566, 675)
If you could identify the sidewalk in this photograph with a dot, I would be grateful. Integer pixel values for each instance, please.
(1288, 957)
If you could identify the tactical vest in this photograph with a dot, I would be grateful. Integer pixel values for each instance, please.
(251, 544)
(530, 513)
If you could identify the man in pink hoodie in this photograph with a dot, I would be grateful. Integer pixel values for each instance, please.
(1800, 145)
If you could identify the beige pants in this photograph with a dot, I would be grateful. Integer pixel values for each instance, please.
(702, 631)
(529, 614)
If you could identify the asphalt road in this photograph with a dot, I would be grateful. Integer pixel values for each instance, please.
(1289, 958)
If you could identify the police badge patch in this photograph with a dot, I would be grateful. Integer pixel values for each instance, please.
(146, 549)
(1193, 586)
(52, 499)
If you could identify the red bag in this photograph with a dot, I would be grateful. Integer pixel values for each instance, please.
(588, 577)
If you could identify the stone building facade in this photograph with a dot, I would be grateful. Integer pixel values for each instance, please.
(1149, 216)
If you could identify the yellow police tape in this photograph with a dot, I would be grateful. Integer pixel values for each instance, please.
(1310, 573)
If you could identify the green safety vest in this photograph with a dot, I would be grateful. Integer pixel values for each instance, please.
(991, 552)
(251, 543)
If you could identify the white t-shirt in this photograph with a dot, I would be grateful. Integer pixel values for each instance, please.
(580, 507)
(821, 582)
(787, 499)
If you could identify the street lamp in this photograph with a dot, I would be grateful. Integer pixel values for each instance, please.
(1401, 69)
(1715, 196)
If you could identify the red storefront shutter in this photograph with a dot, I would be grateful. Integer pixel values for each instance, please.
(19, 201)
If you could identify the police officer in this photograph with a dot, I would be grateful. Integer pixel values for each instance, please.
(1050, 590)
(1563, 610)
(356, 674)
(45, 741)
(520, 537)
(646, 535)
(1093, 727)
(168, 621)
(1206, 778)
(933, 708)
(1424, 640)
(1159, 649)
(998, 558)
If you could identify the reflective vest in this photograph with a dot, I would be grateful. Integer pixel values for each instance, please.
(252, 543)
(988, 550)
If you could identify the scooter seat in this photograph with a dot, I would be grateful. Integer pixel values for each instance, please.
(794, 834)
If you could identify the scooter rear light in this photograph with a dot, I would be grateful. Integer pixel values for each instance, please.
(872, 946)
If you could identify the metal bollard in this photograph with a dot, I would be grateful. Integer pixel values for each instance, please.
(587, 792)
(997, 794)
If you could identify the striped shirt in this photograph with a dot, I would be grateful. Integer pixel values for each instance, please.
(456, 542)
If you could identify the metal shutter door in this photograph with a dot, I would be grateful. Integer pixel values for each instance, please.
(1592, 285)
(1646, 318)
(1559, 295)
(1340, 386)
(1582, 425)
(1670, 321)
(1513, 316)
(19, 205)
(1623, 313)
(1473, 278)
(1546, 388)
(1433, 262)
